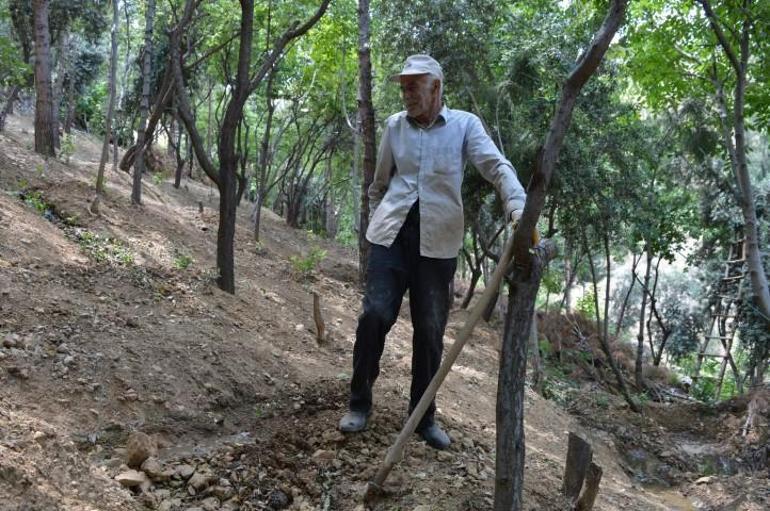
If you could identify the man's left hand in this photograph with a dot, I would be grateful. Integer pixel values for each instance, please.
(516, 215)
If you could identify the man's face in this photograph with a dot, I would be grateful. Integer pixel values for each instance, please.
(418, 93)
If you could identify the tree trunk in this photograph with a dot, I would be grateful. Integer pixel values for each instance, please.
(111, 102)
(330, 215)
(366, 114)
(739, 63)
(8, 107)
(62, 64)
(225, 176)
(139, 166)
(509, 470)
(475, 275)
(638, 367)
(509, 477)
(264, 156)
(538, 376)
(46, 126)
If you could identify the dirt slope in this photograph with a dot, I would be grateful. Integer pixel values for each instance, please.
(104, 335)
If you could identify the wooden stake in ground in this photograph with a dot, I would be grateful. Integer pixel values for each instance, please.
(320, 330)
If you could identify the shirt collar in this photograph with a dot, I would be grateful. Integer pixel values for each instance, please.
(441, 118)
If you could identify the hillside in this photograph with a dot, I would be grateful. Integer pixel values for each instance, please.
(111, 325)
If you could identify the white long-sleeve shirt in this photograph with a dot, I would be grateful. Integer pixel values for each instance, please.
(427, 163)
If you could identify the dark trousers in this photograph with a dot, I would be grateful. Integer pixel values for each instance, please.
(392, 270)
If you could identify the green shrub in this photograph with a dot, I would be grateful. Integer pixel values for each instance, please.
(104, 249)
(586, 305)
(67, 148)
(157, 178)
(182, 261)
(35, 200)
(305, 267)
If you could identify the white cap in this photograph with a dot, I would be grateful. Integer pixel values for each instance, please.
(420, 65)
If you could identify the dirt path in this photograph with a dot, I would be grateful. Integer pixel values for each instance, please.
(107, 333)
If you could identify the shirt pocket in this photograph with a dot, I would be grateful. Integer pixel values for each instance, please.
(447, 159)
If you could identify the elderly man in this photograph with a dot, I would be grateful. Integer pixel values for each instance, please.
(416, 231)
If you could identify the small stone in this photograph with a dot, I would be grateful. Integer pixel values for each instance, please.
(131, 478)
(152, 467)
(210, 504)
(39, 436)
(69, 360)
(423, 507)
(323, 455)
(705, 480)
(11, 341)
(184, 471)
(278, 500)
(299, 327)
(199, 481)
(140, 447)
(19, 372)
(170, 504)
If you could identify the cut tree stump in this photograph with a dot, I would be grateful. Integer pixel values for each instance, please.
(591, 488)
(579, 456)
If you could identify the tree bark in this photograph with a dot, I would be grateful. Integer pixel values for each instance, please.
(366, 114)
(111, 101)
(46, 125)
(509, 478)
(136, 189)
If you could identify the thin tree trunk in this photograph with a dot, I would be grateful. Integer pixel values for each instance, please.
(139, 166)
(638, 375)
(46, 127)
(8, 108)
(244, 85)
(264, 156)
(739, 63)
(366, 114)
(603, 340)
(509, 477)
(330, 215)
(62, 64)
(111, 102)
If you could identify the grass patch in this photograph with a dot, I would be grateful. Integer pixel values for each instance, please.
(304, 268)
(104, 249)
(182, 261)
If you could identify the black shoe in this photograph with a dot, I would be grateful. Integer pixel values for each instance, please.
(435, 437)
(353, 422)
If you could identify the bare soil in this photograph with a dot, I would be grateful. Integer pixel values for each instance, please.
(105, 332)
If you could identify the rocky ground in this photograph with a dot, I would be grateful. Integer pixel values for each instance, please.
(129, 381)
